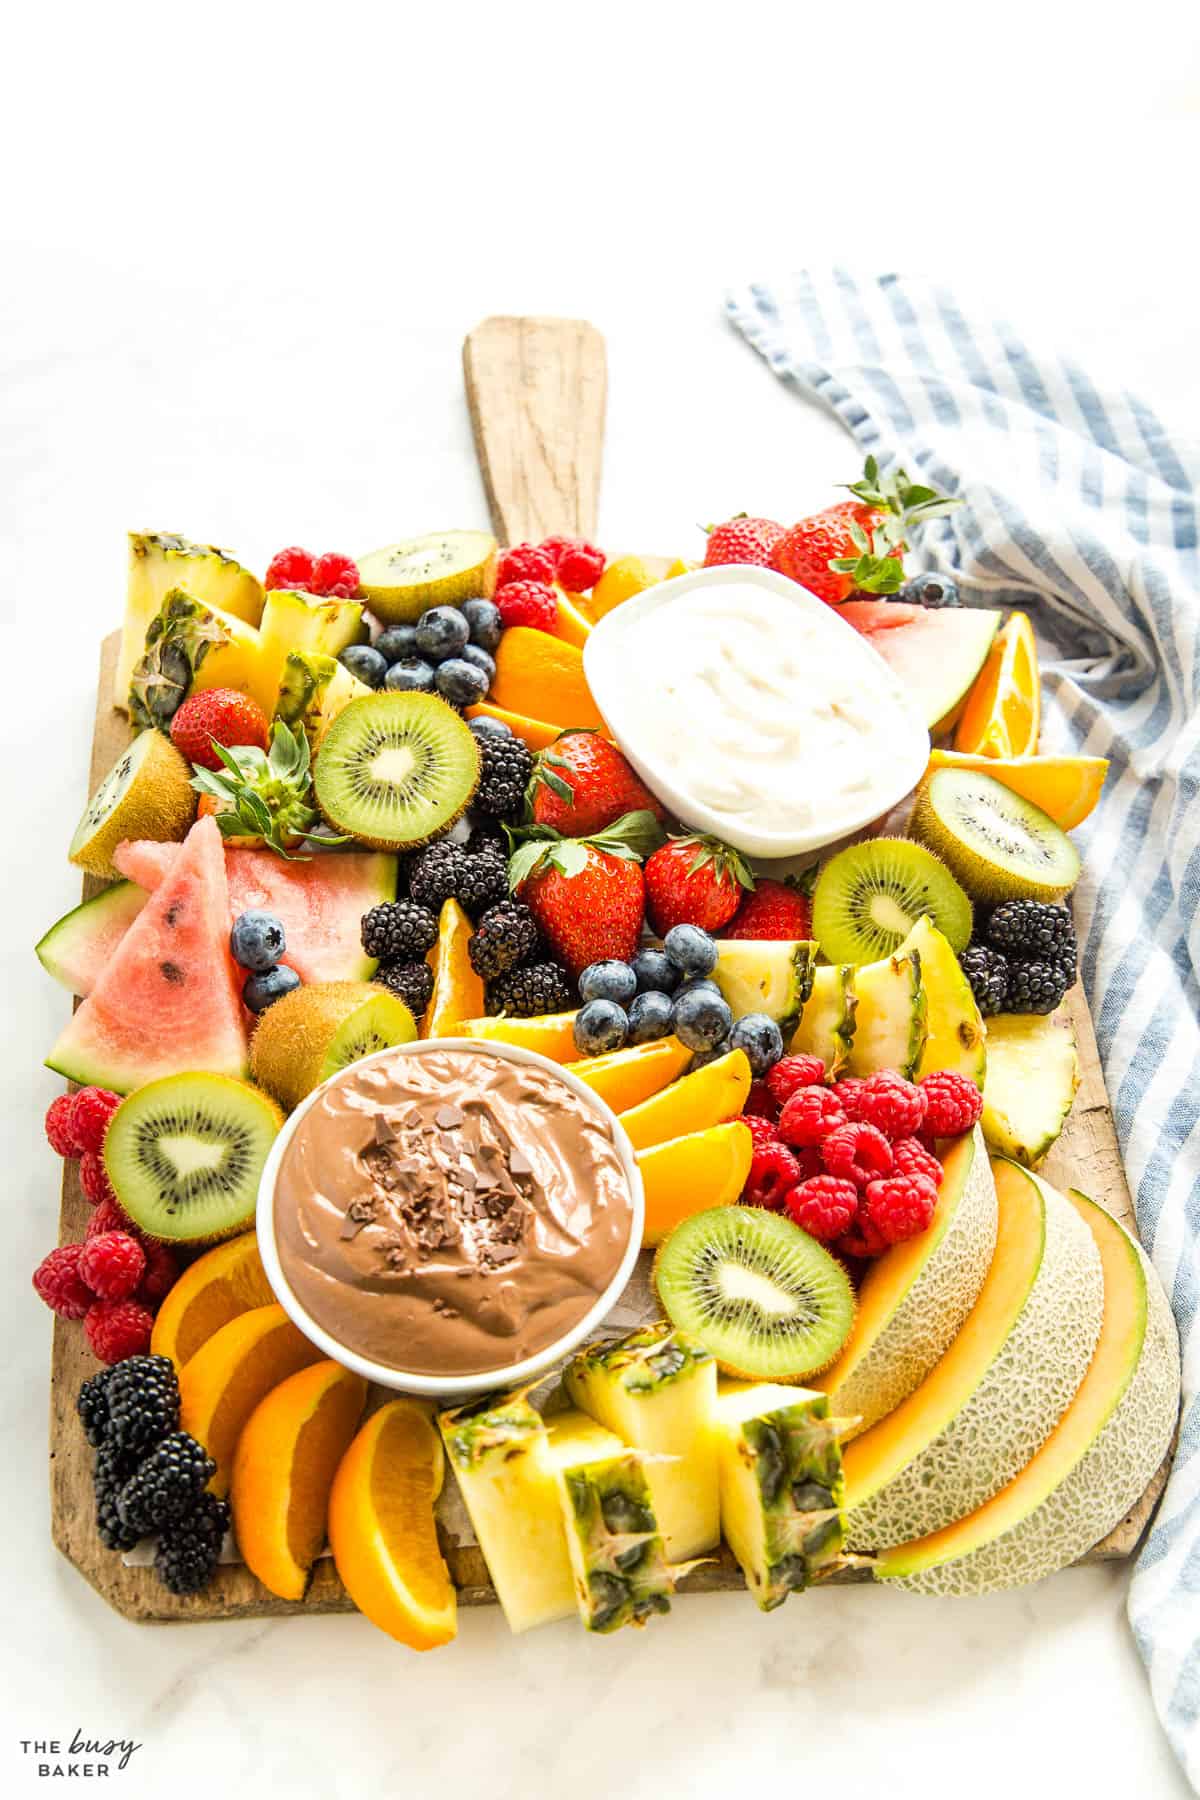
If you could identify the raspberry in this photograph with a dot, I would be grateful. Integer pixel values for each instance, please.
(825, 1206)
(858, 1153)
(116, 1329)
(901, 1206)
(93, 1179)
(59, 1128)
(529, 603)
(335, 577)
(58, 1282)
(952, 1103)
(525, 562)
(863, 1239)
(887, 1101)
(773, 1170)
(910, 1157)
(92, 1109)
(162, 1272)
(112, 1264)
(791, 1073)
(761, 1130)
(580, 566)
(810, 1115)
(760, 1102)
(109, 1216)
(292, 568)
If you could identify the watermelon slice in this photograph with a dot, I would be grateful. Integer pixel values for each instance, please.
(937, 652)
(77, 948)
(321, 901)
(168, 999)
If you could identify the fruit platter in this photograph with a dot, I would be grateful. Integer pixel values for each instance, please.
(578, 1088)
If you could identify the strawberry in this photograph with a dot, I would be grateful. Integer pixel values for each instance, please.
(588, 895)
(857, 546)
(774, 910)
(232, 718)
(582, 783)
(742, 540)
(694, 881)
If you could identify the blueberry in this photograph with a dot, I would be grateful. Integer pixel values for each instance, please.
(261, 991)
(691, 950)
(412, 676)
(655, 972)
(761, 1039)
(364, 662)
(600, 1026)
(479, 659)
(257, 941)
(483, 622)
(460, 682)
(397, 643)
(930, 590)
(649, 1016)
(441, 632)
(488, 727)
(701, 1019)
(608, 980)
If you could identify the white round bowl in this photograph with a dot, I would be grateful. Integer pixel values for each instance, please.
(452, 1387)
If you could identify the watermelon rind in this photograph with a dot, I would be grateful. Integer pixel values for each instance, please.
(78, 945)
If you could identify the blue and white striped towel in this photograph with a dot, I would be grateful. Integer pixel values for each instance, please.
(1082, 509)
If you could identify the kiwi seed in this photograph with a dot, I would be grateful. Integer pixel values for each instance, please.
(393, 770)
(869, 896)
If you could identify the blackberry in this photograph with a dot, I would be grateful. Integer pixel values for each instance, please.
(987, 972)
(537, 988)
(1036, 987)
(111, 1471)
(1033, 930)
(505, 767)
(399, 931)
(91, 1404)
(505, 936)
(484, 880)
(143, 1402)
(411, 982)
(435, 873)
(188, 1550)
(166, 1484)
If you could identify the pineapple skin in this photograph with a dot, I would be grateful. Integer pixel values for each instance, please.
(620, 1567)
(293, 622)
(313, 689)
(159, 561)
(191, 646)
(656, 1389)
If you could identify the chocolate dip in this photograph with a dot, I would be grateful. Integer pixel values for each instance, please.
(450, 1212)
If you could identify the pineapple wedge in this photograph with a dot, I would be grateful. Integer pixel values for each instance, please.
(159, 561)
(191, 646)
(657, 1389)
(313, 689)
(890, 1023)
(826, 1027)
(621, 1572)
(292, 622)
(782, 1490)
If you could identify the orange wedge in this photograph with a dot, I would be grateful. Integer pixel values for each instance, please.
(382, 1531)
(1004, 708)
(707, 1097)
(457, 989)
(1066, 787)
(689, 1174)
(283, 1472)
(535, 733)
(550, 1034)
(541, 676)
(574, 626)
(624, 577)
(230, 1374)
(626, 1077)
(219, 1286)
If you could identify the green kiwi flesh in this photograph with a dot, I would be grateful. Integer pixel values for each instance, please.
(394, 770)
(380, 1022)
(401, 581)
(765, 1298)
(869, 896)
(185, 1154)
(1000, 845)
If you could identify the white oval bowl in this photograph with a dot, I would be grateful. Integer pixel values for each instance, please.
(451, 1387)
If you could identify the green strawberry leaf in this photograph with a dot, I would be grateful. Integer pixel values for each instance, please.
(525, 859)
(637, 834)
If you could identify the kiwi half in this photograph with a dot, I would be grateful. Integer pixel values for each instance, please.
(184, 1155)
(402, 580)
(756, 1291)
(1000, 845)
(393, 770)
(868, 897)
(146, 794)
(316, 1030)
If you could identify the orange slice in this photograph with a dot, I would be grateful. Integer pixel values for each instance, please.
(283, 1472)
(574, 627)
(1066, 787)
(540, 676)
(230, 1374)
(457, 989)
(550, 1034)
(627, 1077)
(624, 577)
(689, 1174)
(218, 1287)
(535, 733)
(707, 1097)
(382, 1531)
(1004, 708)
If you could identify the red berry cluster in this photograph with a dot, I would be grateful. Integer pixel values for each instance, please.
(853, 1163)
(332, 576)
(116, 1278)
(526, 577)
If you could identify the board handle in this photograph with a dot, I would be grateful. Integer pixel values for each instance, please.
(536, 389)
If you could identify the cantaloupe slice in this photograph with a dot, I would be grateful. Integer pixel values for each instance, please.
(1093, 1466)
(915, 1296)
(627, 1077)
(1002, 1386)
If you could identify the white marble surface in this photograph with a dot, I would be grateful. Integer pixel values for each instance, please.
(244, 261)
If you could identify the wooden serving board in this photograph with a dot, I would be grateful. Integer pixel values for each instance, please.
(536, 390)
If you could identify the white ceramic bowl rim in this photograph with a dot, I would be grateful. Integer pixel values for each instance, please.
(450, 1387)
